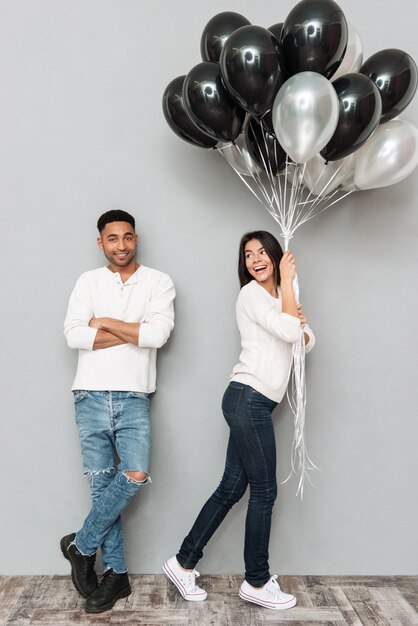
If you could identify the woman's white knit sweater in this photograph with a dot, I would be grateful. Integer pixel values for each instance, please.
(267, 336)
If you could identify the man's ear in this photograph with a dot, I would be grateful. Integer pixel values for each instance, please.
(99, 243)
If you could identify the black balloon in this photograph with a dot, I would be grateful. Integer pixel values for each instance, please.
(264, 148)
(209, 104)
(395, 74)
(277, 30)
(360, 111)
(314, 37)
(178, 118)
(217, 31)
(251, 68)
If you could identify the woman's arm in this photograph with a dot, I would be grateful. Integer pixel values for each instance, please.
(287, 276)
(303, 322)
(289, 304)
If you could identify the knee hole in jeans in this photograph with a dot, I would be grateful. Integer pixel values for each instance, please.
(139, 478)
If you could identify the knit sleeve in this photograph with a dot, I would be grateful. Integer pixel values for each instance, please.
(78, 333)
(308, 330)
(261, 311)
(160, 315)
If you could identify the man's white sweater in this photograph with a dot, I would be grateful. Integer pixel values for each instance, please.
(147, 296)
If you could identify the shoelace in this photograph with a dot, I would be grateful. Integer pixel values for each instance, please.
(107, 578)
(273, 587)
(191, 580)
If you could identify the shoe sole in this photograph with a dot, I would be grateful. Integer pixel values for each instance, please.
(175, 582)
(73, 578)
(280, 607)
(105, 607)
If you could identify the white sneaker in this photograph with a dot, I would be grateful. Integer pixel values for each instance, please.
(269, 596)
(184, 581)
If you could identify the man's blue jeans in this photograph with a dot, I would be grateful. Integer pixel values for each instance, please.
(250, 459)
(113, 425)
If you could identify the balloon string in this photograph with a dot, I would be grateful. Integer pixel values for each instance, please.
(301, 463)
(288, 208)
(250, 174)
(285, 203)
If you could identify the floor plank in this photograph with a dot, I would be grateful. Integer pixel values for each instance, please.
(394, 607)
(322, 601)
(365, 606)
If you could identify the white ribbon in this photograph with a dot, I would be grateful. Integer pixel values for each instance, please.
(290, 206)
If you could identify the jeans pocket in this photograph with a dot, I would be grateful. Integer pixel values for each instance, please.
(138, 394)
(232, 398)
(79, 395)
(261, 406)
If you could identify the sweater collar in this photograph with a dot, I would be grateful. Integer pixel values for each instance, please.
(134, 278)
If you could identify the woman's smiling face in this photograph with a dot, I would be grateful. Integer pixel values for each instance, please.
(258, 262)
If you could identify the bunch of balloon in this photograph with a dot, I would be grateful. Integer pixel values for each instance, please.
(294, 110)
(302, 121)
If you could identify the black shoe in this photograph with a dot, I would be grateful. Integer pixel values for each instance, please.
(82, 567)
(112, 587)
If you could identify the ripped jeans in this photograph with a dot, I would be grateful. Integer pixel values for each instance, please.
(113, 425)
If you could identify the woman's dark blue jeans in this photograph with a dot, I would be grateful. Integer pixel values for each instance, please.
(250, 459)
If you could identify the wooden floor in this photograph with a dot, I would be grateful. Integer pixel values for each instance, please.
(52, 600)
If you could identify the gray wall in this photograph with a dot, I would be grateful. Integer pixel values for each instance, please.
(81, 131)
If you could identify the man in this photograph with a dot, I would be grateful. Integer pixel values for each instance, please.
(117, 317)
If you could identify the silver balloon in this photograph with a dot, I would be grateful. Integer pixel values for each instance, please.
(353, 57)
(349, 185)
(322, 178)
(305, 115)
(389, 156)
(238, 156)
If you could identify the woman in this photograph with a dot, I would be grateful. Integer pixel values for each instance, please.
(269, 320)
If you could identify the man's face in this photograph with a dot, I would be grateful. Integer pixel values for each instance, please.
(118, 242)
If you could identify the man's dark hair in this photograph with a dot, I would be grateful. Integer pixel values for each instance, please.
(270, 245)
(115, 215)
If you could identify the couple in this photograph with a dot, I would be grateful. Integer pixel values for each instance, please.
(118, 316)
